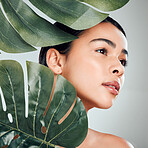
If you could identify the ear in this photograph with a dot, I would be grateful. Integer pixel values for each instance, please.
(55, 60)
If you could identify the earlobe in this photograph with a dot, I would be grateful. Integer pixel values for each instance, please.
(54, 61)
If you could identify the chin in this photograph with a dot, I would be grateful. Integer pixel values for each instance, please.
(105, 104)
(103, 100)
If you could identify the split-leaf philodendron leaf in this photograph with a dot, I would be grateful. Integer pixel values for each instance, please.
(32, 28)
(106, 5)
(44, 126)
(10, 40)
(70, 12)
(27, 25)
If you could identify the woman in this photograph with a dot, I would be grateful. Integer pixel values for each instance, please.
(95, 64)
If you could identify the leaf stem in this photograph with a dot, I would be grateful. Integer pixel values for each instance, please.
(14, 129)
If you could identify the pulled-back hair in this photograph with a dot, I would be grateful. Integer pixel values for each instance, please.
(65, 47)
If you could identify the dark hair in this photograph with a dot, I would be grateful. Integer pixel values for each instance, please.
(65, 47)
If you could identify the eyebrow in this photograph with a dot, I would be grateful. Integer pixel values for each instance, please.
(125, 51)
(109, 42)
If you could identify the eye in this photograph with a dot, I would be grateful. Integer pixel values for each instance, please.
(102, 51)
(123, 62)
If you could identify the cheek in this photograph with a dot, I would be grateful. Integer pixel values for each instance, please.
(85, 74)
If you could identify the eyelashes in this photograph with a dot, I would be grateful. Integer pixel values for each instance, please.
(105, 52)
(102, 51)
(123, 62)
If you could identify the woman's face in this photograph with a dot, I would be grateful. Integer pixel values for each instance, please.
(95, 65)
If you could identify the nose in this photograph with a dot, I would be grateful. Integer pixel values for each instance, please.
(116, 68)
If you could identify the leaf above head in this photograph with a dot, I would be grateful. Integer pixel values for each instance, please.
(106, 5)
(10, 41)
(55, 116)
(31, 27)
(70, 12)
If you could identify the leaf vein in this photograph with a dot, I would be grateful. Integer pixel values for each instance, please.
(23, 141)
(5, 133)
(63, 130)
(35, 112)
(13, 98)
(14, 129)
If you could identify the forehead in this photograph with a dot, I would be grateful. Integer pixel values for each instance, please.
(105, 30)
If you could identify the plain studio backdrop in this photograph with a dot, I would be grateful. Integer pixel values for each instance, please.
(127, 118)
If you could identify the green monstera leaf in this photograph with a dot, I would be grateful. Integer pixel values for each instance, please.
(70, 12)
(10, 40)
(32, 28)
(55, 115)
(106, 5)
(23, 27)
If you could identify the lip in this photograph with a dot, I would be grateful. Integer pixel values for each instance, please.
(113, 87)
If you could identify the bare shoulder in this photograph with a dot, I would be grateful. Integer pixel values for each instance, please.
(102, 140)
(115, 141)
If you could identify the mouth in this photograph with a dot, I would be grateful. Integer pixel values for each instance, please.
(113, 87)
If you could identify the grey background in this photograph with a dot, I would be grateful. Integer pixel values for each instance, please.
(128, 116)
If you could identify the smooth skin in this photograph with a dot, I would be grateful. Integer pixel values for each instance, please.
(98, 56)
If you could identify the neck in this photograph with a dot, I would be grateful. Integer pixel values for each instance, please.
(87, 105)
